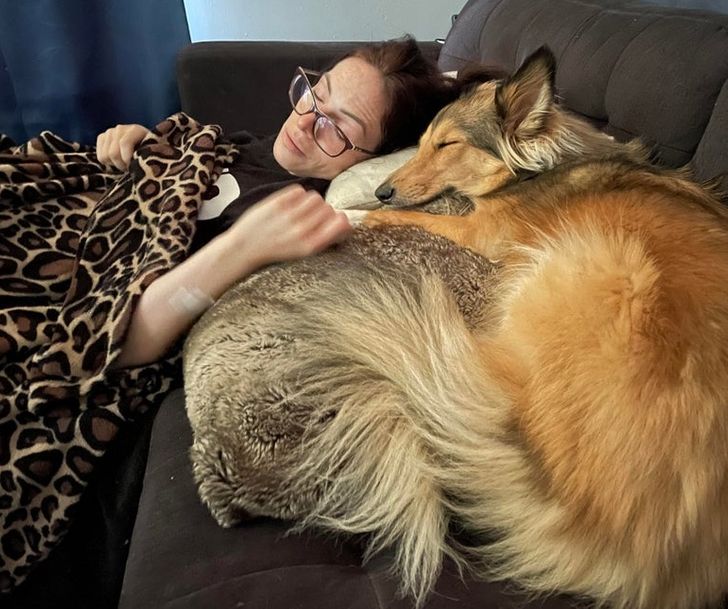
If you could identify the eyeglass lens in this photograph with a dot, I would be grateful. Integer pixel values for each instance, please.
(325, 132)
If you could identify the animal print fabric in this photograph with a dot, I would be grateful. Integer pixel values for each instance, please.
(78, 246)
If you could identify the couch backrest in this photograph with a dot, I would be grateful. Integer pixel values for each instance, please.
(637, 70)
(243, 84)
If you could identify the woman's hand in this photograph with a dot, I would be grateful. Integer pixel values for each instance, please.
(115, 146)
(289, 224)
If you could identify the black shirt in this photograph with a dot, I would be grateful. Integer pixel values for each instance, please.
(252, 177)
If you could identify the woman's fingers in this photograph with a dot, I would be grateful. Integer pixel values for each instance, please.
(289, 224)
(315, 214)
(324, 227)
(114, 154)
(333, 230)
(126, 149)
(116, 145)
(102, 144)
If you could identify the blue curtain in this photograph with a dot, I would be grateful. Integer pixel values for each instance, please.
(77, 67)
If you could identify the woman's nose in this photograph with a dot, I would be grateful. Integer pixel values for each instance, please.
(305, 122)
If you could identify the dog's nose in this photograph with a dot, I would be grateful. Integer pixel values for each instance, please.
(385, 192)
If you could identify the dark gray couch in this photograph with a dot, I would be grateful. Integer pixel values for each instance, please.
(634, 69)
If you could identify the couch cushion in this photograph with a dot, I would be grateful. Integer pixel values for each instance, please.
(639, 70)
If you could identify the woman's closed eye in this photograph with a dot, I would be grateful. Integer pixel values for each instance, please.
(321, 99)
(320, 90)
(321, 93)
(334, 115)
(339, 118)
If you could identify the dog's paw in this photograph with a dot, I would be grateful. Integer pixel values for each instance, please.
(355, 216)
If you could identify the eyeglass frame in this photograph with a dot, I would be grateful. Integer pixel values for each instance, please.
(348, 144)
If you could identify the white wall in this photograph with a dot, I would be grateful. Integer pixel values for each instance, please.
(319, 19)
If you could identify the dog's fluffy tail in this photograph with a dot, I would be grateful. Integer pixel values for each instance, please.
(394, 360)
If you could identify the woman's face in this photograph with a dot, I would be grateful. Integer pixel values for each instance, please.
(352, 95)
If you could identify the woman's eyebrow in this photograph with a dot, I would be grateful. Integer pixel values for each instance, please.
(349, 114)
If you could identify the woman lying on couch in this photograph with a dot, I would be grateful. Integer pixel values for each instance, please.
(378, 99)
(113, 267)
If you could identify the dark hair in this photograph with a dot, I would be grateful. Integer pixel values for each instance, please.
(473, 74)
(416, 88)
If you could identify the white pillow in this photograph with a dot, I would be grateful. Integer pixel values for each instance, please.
(354, 188)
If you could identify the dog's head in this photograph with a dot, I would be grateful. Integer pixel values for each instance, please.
(493, 135)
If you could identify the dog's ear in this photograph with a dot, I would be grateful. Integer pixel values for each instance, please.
(525, 99)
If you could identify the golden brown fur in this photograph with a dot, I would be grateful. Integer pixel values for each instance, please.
(586, 422)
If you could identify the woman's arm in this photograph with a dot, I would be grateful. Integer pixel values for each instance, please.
(291, 223)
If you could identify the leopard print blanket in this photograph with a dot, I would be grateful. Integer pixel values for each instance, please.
(78, 246)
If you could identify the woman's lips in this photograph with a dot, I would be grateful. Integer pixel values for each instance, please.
(291, 145)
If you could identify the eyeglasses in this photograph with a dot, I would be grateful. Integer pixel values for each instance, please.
(327, 135)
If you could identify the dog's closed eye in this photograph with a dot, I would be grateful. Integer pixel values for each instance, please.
(448, 143)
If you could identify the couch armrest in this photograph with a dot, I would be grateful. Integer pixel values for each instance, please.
(244, 84)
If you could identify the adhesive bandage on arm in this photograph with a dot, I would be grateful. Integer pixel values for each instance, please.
(190, 301)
